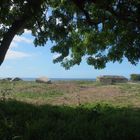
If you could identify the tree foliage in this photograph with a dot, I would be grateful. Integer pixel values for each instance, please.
(100, 31)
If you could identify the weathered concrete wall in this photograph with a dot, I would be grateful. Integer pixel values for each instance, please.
(111, 79)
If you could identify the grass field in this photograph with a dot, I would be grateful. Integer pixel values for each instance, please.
(77, 110)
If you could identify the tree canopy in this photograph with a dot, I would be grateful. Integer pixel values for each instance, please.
(100, 31)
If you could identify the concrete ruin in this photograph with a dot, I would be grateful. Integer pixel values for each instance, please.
(111, 79)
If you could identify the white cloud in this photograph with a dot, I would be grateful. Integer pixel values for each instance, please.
(56, 55)
(16, 55)
(5, 68)
(27, 31)
(13, 45)
(17, 42)
(19, 39)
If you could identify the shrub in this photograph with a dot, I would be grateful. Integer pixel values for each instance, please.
(135, 77)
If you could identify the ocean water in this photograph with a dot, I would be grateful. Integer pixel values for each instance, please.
(63, 79)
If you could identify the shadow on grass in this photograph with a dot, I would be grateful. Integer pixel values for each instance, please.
(21, 121)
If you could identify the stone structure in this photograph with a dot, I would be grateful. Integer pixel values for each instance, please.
(11, 79)
(111, 79)
(6, 79)
(43, 80)
(16, 79)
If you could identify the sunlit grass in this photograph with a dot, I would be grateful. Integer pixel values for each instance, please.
(128, 94)
(32, 95)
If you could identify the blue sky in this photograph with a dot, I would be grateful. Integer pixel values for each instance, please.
(25, 60)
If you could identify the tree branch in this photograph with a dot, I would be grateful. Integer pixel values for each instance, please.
(8, 37)
(81, 5)
(120, 16)
(32, 7)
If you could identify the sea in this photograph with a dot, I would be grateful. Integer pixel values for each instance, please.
(62, 79)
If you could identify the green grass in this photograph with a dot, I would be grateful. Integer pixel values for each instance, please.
(32, 95)
(43, 93)
(29, 90)
(135, 88)
(21, 121)
(103, 119)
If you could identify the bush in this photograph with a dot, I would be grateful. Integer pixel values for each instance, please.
(135, 77)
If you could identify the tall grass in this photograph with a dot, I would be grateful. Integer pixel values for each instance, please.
(21, 121)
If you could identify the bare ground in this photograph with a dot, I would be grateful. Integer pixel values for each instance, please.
(88, 95)
(76, 94)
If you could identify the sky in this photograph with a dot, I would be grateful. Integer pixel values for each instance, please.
(27, 61)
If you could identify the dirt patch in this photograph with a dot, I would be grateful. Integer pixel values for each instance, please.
(88, 95)
(78, 93)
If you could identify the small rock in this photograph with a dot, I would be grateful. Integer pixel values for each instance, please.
(43, 80)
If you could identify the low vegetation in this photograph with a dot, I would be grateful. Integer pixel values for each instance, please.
(135, 77)
(69, 110)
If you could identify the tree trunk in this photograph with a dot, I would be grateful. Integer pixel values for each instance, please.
(8, 37)
(33, 7)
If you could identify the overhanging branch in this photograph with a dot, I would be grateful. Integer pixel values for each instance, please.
(122, 16)
(33, 7)
(8, 37)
